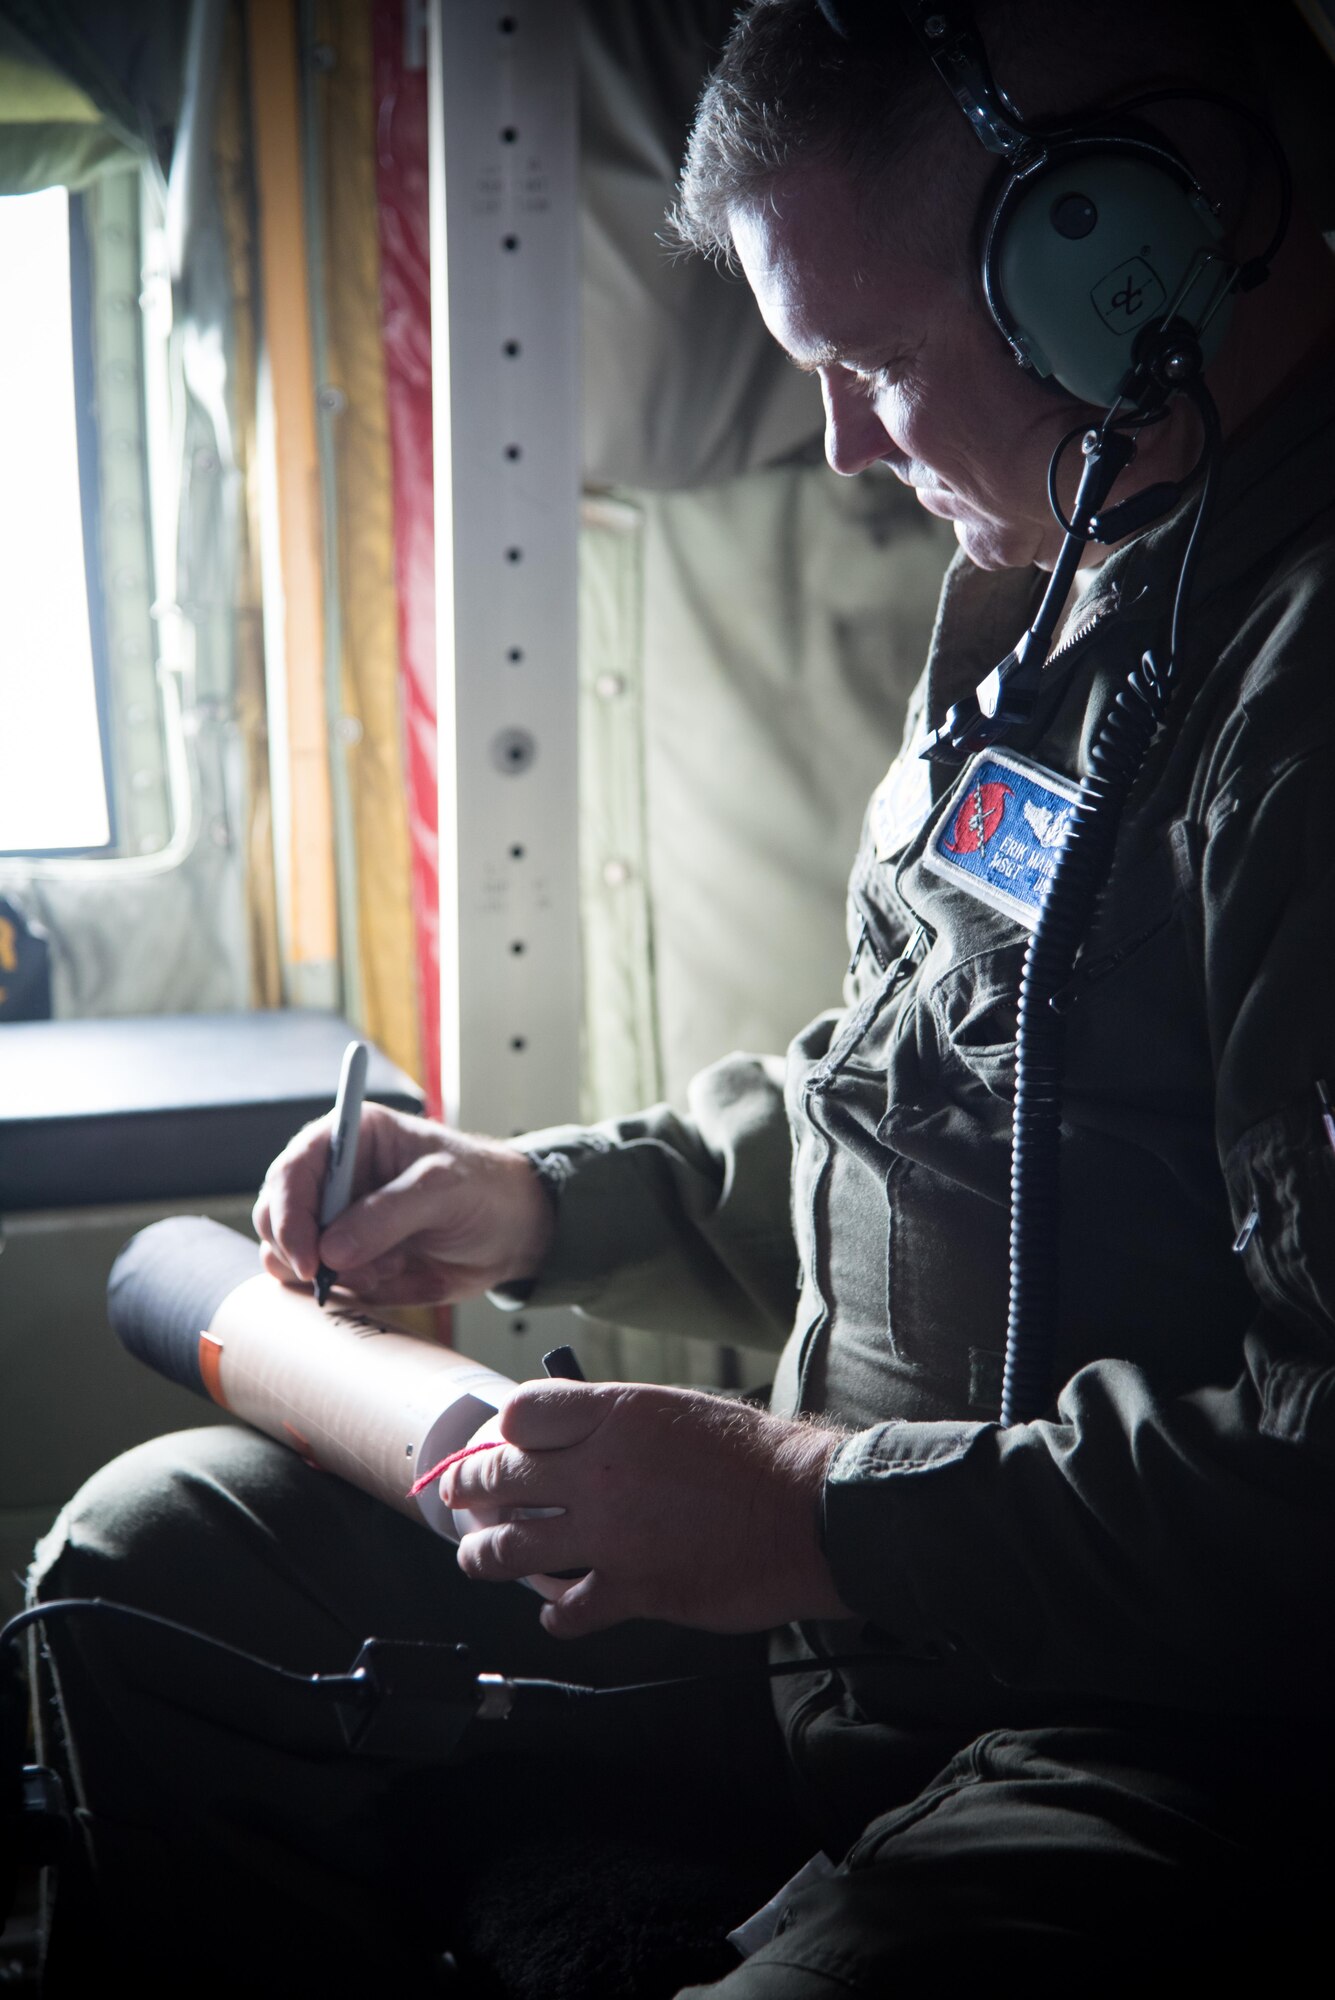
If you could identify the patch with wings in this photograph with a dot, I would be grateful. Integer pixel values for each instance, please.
(1000, 838)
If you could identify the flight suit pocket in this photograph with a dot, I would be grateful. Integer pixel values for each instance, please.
(974, 1010)
(946, 1131)
(947, 1259)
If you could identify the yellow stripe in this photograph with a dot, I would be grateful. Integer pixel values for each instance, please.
(277, 111)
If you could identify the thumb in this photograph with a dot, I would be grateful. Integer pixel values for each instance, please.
(588, 1606)
(380, 1221)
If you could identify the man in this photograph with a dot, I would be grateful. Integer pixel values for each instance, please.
(1064, 1685)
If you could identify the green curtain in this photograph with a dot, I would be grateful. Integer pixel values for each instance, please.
(85, 86)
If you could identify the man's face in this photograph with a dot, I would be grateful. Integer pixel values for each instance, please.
(911, 368)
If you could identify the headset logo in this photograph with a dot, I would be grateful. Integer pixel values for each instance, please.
(1128, 295)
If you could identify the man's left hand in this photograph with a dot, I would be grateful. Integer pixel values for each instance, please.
(679, 1505)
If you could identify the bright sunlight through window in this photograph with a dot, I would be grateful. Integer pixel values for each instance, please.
(52, 789)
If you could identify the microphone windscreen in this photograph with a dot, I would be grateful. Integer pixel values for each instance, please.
(166, 1286)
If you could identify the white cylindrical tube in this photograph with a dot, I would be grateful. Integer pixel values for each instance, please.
(354, 1395)
(348, 1391)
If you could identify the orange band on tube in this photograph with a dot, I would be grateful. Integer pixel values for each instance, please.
(210, 1366)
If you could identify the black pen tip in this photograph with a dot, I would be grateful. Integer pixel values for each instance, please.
(562, 1365)
(324, 1279)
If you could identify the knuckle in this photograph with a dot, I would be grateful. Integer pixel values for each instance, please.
(508, 1542)
(480, 1474)
(470, 1555)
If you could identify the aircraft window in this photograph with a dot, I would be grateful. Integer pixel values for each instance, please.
(94, 767)
(54, 791)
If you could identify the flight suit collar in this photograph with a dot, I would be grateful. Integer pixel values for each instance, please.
(1272, 480)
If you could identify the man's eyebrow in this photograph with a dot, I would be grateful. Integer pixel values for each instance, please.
(853, 354)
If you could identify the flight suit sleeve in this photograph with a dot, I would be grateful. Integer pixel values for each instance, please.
(678, 1224)
(1141, 1544)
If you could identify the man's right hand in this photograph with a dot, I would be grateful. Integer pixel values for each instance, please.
(435, 1215)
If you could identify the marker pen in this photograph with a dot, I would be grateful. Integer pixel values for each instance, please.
(342, 1150)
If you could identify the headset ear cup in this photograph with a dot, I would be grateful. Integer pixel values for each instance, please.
(1090, 247)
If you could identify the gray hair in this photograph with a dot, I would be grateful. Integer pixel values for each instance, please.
(788, 88)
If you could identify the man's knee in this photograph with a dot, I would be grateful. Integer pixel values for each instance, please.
(142, 1515)
(1031, 1853)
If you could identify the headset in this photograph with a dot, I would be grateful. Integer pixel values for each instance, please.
(1103, 269)
(1102, 257)
(1098, 240)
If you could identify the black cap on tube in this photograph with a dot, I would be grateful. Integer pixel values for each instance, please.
(166, 1285)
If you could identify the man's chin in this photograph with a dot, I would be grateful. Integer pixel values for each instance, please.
(989, 545)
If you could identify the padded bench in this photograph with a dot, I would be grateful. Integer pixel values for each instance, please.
(165, 1107)
(105, 1126)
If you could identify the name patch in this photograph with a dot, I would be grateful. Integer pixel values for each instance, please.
(1001, 838)
(902, 801)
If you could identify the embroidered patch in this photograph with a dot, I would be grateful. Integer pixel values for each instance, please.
(901, 802)
(1000, 839)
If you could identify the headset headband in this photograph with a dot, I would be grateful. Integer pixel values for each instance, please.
(955, 50)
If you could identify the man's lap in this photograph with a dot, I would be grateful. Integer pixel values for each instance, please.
(185, 1806)
(547, 1845)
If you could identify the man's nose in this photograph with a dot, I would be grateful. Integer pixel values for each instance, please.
(855, 437)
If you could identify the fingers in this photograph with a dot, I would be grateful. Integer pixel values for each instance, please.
(405, 1280)
(286, 1215)
(500, 1478)
(372, 1282)
(289, 1202)
(371, 1229)
(278, 1267)
(520, 1549)
(588, 1606)
(548, 1416)
(517, 1549)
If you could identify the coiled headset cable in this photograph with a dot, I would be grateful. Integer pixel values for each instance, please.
(1083, 864)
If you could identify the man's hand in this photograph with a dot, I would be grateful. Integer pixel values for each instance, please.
(435, 1215)
(681, 1506)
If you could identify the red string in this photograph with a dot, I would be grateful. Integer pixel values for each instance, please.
(438, 1471)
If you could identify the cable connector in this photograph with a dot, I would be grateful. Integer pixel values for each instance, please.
(409, 1698)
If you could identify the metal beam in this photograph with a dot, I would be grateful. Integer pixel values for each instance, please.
(505, 339)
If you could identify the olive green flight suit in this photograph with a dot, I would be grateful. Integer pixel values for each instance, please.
(1095, 1653)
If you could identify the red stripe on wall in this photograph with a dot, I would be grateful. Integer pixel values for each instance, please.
(399, 43)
